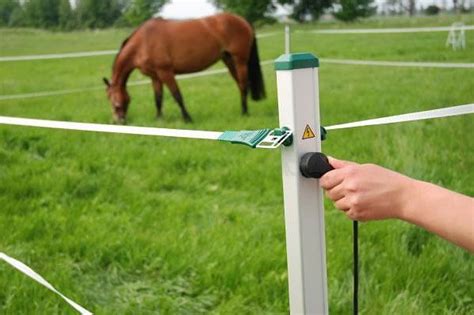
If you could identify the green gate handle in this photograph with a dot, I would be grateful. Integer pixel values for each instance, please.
(249, 138)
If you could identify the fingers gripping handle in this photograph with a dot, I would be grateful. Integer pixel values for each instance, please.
(314, 165)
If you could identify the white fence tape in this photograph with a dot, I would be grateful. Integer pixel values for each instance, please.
(429, 114)
(97, 88)
(59, 56)
(415, 64)
(84, 53)
(262, 35)
(214, 135)
(35, 276)
(391, 30)
(263, 63)
(47, 93)
(131, 130)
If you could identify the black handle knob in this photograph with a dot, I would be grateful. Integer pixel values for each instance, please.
(314, 165)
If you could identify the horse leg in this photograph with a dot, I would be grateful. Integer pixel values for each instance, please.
(242, 77)
(227, 59)
(158, 88)
(170, 81)
(236, 74)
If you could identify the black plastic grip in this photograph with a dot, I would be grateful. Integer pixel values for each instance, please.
(314, 165)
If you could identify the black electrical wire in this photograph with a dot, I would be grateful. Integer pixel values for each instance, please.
(355, 230)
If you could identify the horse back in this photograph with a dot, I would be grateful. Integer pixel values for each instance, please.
(191, 45)
(233, 30)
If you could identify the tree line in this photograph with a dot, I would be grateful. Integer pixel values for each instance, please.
(302, 10)
(60, 14)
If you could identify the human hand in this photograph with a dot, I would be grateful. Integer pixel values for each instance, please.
(366, 191)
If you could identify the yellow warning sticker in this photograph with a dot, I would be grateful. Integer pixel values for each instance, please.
(308, 133)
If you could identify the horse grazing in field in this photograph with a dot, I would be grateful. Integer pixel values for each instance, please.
(162, 48)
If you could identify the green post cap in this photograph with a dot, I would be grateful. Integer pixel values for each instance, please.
(296, 61)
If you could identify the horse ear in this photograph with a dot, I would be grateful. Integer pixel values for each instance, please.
(106, 81)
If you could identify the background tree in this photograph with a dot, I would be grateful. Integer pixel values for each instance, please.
(302, 9)
(432, 10)
(138, 11)
(411, 7)
(17, 17)
(42, 13)
(99, 14)
(251, 10)
(408, 6)
(394, 6)
(6, 9)
(351, 10)
(455, 6)
(400, 6)
(66, 15)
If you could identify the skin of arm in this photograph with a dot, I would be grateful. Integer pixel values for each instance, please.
(367, 192)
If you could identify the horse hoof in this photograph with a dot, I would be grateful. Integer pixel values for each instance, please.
(188, 119)
(120, 121)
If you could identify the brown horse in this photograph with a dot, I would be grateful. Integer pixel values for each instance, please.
(162, 48)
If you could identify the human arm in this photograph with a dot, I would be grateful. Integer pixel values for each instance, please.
(369, 192)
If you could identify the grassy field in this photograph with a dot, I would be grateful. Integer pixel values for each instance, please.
(140, 225)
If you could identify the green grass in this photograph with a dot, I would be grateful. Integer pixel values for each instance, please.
(140, 225)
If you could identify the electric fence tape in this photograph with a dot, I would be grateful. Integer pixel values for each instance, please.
(377, 63)
(33, 275)
(262, 138)
(423, 115)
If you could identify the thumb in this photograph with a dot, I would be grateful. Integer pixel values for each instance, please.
(339, 163)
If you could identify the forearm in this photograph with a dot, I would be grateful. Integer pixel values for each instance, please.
(441, 211)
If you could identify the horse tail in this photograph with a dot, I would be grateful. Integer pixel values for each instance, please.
(256, 84)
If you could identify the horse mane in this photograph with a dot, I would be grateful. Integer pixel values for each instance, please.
(124, 43)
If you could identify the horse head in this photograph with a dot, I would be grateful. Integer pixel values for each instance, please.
(119, 100)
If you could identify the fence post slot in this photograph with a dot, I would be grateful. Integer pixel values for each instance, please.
(298, 104)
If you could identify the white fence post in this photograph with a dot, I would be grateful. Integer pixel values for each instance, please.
(298, 103)
(287, 39)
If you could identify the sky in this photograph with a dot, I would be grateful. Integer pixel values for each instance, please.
(180, 9)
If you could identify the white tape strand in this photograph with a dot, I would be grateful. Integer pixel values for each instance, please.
(429, 114)
(263, 63)
(35, 276)
(59, 56)
(263, 35)
(415, 64)
(82, 54)
(48, 93)
(214, 135)
(145, 131)
(132, 83)
(392, 30)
